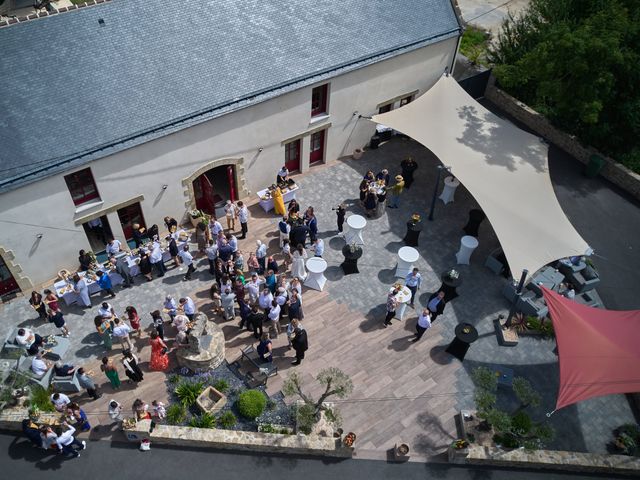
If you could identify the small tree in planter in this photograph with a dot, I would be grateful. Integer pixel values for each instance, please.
(335, 381)
(512, 429)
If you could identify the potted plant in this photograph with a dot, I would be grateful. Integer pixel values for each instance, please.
(357, 153)
(349, 439)
(458, 450)
(196, 216)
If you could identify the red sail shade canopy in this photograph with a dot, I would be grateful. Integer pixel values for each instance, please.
(599, 350)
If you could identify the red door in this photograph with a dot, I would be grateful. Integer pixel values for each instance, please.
(231, 177)
(7, 282)
(203, 191)
(317, 147)
(292, 155)
(128, 216)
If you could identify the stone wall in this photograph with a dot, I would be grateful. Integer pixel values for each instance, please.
(555, 460)
(614, 172)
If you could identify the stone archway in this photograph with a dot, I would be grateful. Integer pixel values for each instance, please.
(24, 283)
(241, 184)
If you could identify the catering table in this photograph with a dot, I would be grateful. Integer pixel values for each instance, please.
(350, 264)
(466, 334)
(356, 224)
(406, 257)
(467, 245)
(413, 232)
(449, 190)
(316, 279)
(402, 297)
(65, 290)
(267, 205)
(449, 286)
(133, 258)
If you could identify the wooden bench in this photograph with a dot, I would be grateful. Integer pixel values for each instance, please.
(265, 369)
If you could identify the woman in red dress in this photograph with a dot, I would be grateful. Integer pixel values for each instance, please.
(159, 353)
(134, 319)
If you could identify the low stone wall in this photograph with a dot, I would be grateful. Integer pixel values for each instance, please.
(11, 418)
(553, 460)
(614, 172)
(237, 440)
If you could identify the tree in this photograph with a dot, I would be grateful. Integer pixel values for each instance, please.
(575, 61)
(335, 382)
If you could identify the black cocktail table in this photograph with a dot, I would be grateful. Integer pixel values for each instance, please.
(449, 286)
(466, 334)
(350, 264)
(413, 232)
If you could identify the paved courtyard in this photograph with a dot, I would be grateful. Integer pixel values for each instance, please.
(404, 391)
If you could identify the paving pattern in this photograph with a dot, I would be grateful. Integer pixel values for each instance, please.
(404, 391)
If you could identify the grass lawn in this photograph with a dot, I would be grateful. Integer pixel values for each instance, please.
(474, 44)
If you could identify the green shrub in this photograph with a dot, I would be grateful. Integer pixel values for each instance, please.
(267, 428)
(221, 385)
(507, 441)
(40, 398)
(206, 420)
(227, 420)
(176, 413)
(174, 378)
(251, 403)
(188, 392)
(521, 423)
(305, 418)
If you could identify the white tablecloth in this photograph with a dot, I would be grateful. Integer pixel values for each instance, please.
(267, 205)
(70, 296)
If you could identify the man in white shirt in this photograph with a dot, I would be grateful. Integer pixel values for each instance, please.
(243, 216)
(231, 214)
(39, 366)
(253, 287)
(233, 243)
(113, 246)
(318, 247)
(29, 339)
(413, 282)
(265, 299)
(215, 226)
(261, 255)
(212, 254)
(121, 331)
(274, 315)
(156, 259)
(66, 441)
(60, 401)
(188, 307)
(424, 323)
(106, 311)
(187, 259)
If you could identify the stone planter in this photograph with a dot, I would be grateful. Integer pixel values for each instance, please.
(457, 455)
(211, 400)
(357, 154)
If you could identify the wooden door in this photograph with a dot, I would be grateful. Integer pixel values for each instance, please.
(292, 155)
(203, 191)
(128, 216)
(231, 178)
(317, 147)
(7, 282)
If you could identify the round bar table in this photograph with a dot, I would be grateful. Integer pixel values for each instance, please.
(406, 257)
(475, 219)
(402, 297)
(449, 286)
(356, 224)
(316, 279)
(413, 232)
(350, 264)
(449, 190)
(467, 245)
(466, 334)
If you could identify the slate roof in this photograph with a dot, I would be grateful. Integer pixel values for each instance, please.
(73, 90)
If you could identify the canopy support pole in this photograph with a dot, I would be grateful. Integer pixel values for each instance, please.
(512, 312)
(435, 190)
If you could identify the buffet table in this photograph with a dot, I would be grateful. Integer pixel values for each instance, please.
(267, 202)
(65, 290)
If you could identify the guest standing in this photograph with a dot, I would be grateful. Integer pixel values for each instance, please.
(318, 247)
(300, 344)
(86, 382)
(243, 216)
(256, 320)
(409, 166)
(66, 442)
(424, 323)
(105, 330)
(122, 268)
(81, 288)
(105, 283)
(111, 372)
(265, 348)
(371, 204)
(436, 305)
(134, 319)
(51, 301)
(392, 303)
(212, 254)
(131, 367)
(298, 264)
(145, 266)
(170, 306)
(278, 202)
(156, 259)
(413, 283)
(158, 322)
(230, 212)
(295, 306)
(173, 250)
(171, 224)
(121, 331)
(159, 353)
(364, 189)
(274, 316)
(341, 212)
(37, 303)
(283, 229)
(188, 307)
(228, 302)
(58, 320)
(187, 259)
(395, 191)
(261, 256)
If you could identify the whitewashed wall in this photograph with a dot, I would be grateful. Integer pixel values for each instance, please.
(46, 207)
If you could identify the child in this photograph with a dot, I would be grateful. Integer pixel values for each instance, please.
(159, 410)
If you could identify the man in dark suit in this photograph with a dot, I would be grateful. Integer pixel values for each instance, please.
(300, 344)
(436, 305)
(298, 235)
(255, 321)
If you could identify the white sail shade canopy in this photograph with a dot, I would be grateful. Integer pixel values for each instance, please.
(503, 167)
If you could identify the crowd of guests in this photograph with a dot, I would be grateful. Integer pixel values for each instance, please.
(376, 191)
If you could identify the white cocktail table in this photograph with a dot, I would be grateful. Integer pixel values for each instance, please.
(449, 190)
(356, 224)
(316, 279)
(406, 258)
(467, 245)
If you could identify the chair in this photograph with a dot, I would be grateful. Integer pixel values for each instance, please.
(10, 342)
(493, 264)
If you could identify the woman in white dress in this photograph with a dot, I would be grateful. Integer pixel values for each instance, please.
(82, 289)
(299, 259)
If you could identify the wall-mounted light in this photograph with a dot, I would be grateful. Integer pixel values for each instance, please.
(165, 186)
(355, 113)
(260, 150)
(39, 235)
